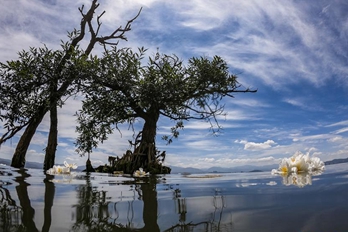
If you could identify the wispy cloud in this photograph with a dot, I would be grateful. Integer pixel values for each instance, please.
(341, 123)
(293, 52)
(342, 130)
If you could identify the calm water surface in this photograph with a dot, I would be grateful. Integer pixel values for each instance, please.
(32, 201)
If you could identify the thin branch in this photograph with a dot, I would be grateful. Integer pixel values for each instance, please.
(13, 131)
(98, 21)
(119, 32)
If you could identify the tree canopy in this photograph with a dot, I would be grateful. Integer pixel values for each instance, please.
(122, 88)
(25, 84)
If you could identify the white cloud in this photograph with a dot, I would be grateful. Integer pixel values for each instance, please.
(243, 101)
(259, 146)
(335, 139)
(341, 123)
(256, 146)
(342, 130)
(313, 138)
(295, 102)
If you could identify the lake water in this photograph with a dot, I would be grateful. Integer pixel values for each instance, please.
(31, 201)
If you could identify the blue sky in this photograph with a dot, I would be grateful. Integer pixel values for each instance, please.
(293, 52)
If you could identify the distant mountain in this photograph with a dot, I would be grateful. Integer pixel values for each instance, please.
(5, 161)
(245, 168)
(336, 161)
(34, 165)
(28, 164)
(176, 169)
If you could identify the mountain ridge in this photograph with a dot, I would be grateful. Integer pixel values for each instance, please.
(177, 169)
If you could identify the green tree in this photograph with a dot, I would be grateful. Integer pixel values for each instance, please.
(42, 79)
(123, 89)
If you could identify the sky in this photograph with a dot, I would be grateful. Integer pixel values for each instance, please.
(293, 52)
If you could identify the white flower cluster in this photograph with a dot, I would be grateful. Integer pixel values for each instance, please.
(300, 163)
(299, 169)
(140, 173)
(56, 169)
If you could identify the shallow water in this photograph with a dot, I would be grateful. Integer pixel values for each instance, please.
(32, 201)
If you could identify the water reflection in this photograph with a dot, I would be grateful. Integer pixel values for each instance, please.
(49, 198)
(214, 219)
(21, 218)
(22, 192)
(128, 205)
(32, 201)
(9, 211)
(96, 212)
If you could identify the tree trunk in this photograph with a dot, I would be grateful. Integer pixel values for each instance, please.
(89, 167)
(18, 159)
(52, 138)
(148, 137)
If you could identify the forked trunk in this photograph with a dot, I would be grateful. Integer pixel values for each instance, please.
(52, 138)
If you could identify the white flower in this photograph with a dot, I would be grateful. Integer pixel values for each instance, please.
(56, 169)
(284, 167)
(140, 173)
(73, 166)
(299, 169)
(316, 165)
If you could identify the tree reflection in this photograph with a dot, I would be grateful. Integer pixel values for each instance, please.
(95, 213)
(49, 198)
(21, 218)
(92, 211)
(24, 201)
(136, 209)
(212, 224)
(150, 206)
(10, 213)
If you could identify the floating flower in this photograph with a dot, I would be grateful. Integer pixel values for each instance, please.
(299, 169)
(73, 166)
(316, 165)
(57, 169)
(140, 173)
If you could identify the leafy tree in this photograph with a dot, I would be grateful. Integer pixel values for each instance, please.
(122, 89)
(42, 79)
(29, 90)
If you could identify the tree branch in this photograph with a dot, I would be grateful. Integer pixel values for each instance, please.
(13, 131)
